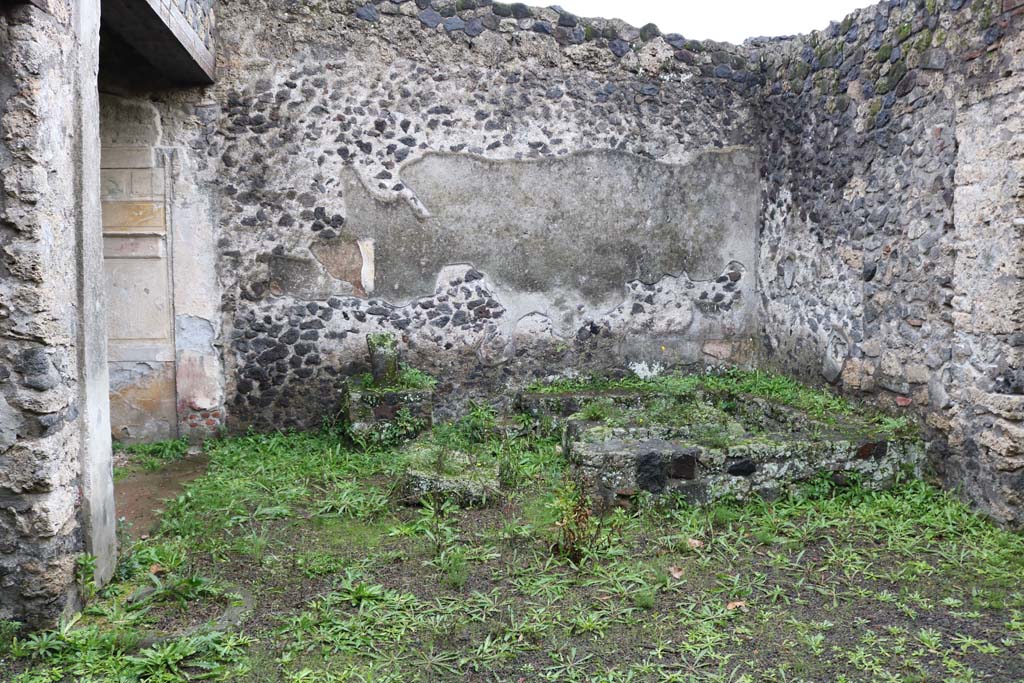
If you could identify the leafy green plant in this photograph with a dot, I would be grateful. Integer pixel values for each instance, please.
(179, 590)
(896, 426)
(819, 403)
(174, 659)
(478, 425)
(454, 563)
(85, 572)
(578, 529)
(599, 410)
(645, 598)
(353, 499)
(413, 378)
(358, 593)
(512, 465)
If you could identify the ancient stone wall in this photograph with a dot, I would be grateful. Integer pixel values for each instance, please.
(517, 191)
(512, 191)
(56, 500)
(889, 255)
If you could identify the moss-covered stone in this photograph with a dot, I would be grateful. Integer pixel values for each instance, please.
(384, 363)
(649, 32)
(710, 436)
(889, 82)
(437, 473)
(924, 41)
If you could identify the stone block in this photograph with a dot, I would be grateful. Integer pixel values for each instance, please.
(613, 463)
(42, 515)
(141, 247)
(384, 363)
(147, 183)
(477, 490)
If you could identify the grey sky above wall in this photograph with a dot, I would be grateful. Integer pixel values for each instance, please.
(732, 21)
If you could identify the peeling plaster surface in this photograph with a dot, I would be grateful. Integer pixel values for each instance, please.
(580, 225)
(142, 401)
(161, 278)
(194, 334)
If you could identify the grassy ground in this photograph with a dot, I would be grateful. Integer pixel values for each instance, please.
(336, 583)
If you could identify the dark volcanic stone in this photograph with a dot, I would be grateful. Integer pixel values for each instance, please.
(1010, 382)
(742, 468)
(873, 450)
(676, 41)
(454, 24)
(619, 47)
(567, 20)
(521, 11)
(368, 13)
(650, 475)
(683, 466)
(430, 18)
(649, 32)
(32, 362)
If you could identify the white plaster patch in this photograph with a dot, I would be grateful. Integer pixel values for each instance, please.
(368, 272)
(194, 334)
(645, 370)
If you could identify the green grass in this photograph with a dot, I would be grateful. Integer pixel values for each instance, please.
(154, 456)
(668, 384)
(828, 584)
(819, 403)
(712, 397)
